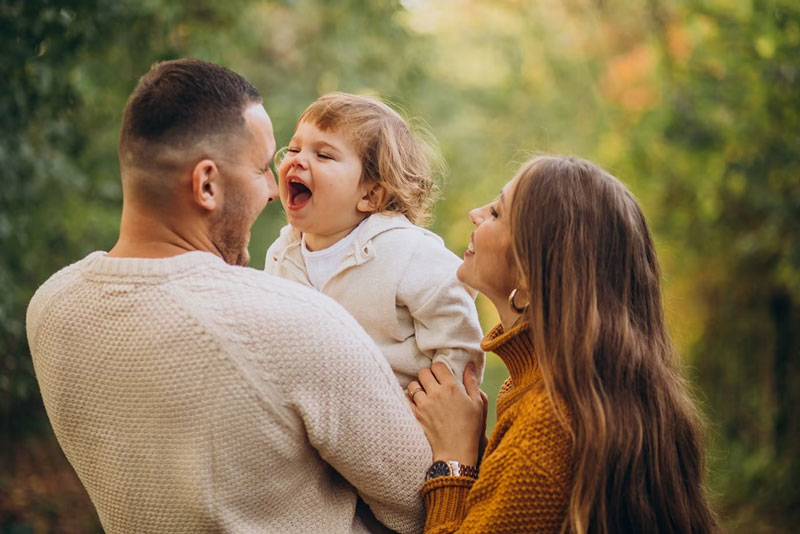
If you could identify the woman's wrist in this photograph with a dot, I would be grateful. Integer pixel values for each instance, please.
(464, 457)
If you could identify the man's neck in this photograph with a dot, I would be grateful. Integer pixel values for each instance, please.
(125, 248)
(143, 235)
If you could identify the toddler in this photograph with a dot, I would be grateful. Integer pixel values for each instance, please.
(355, 182)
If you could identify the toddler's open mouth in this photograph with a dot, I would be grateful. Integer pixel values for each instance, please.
(299, 194)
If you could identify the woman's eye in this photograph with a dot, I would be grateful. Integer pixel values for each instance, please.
(494, 212)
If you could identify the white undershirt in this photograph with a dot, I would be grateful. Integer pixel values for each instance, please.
(321, 264)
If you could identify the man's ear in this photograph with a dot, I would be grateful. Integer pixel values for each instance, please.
(372, 199)
(205, 184)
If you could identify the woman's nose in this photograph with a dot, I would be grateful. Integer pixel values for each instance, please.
(475, 216)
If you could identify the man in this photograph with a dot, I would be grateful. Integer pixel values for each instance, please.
(194, 395)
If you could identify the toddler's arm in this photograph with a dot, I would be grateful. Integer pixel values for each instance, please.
(445, 318)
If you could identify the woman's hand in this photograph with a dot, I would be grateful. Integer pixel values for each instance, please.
(454, 421)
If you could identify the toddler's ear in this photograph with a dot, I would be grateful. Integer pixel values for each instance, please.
(372, 200)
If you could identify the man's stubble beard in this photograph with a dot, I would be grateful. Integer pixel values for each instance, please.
(229, 237)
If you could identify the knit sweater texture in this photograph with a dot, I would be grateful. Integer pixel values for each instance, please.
(194, 396)
(526, 473)
(399, 281)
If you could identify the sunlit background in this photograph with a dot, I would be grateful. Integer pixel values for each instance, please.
(695, 105)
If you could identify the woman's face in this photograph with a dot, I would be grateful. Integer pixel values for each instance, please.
(489, 262)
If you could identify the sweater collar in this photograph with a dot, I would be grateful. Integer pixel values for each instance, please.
(515, 348)
(101, 265)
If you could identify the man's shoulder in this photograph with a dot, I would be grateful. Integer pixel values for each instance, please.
(256, 282)
(72, 270)
(63, 277)
(302, 326)
(55, 285)
(282, 302)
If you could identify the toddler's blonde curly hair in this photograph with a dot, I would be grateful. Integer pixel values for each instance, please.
(401, 161)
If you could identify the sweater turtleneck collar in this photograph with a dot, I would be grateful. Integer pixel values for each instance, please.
(515, 348)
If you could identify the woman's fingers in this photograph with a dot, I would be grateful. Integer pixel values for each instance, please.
(451, 418)
(442, 373)
(485, 401)
(414, 389)
(427, 379)
(471, 381)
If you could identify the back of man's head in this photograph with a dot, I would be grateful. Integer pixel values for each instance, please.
(176, 107)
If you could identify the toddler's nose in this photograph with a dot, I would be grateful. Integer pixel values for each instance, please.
(299, 160)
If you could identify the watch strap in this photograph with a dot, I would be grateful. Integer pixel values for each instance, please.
(451, 468)
(461, 470)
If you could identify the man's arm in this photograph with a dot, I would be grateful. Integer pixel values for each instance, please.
(357, 417)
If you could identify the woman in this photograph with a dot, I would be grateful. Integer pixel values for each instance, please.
(595, 432)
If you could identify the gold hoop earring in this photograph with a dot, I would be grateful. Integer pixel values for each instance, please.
(513, 305)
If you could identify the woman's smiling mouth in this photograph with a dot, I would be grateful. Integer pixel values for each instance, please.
(470, 249)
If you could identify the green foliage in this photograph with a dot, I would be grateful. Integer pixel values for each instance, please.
(42, 180)
(693, 103)
(68, 68)
(725, 150)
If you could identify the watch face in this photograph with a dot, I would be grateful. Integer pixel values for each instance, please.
(439, 469)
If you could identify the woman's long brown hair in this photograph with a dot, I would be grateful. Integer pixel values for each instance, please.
(583, 247)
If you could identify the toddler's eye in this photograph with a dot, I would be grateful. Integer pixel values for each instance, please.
(293, 150)
(324, 156)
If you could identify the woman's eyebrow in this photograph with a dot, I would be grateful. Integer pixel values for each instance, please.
(502, 199)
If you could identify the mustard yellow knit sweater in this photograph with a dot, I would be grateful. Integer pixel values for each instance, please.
(526, 473)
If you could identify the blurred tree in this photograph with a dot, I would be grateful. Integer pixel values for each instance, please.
(44, 194)
(68, 66)
(725, 148)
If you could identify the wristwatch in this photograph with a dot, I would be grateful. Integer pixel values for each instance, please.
(451, 468)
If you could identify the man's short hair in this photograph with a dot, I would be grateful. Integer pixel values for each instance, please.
(179, 103)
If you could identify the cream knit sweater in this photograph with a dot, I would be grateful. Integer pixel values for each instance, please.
(193, 396)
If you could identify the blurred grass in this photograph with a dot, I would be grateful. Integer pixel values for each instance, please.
(40, 492)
